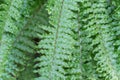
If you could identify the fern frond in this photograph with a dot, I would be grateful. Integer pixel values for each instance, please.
(100, 30)
(29, 33)
(8, 28)
(57, 44)
(18, 39)
(115, 23)
(87, 61)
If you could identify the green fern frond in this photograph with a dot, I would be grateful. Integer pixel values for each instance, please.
(59, 39)
(9, 29)
(17, 40)
(115, 23)
(88, 64)
(100, 31)
(57, 44)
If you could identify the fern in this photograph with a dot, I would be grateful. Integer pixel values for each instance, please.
(9, 29)
(56, 52)
(103, 40)
(17, 49)
(86, 56)
(115, 22)
(59, 40)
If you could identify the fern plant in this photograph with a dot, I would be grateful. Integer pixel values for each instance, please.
(55, 51)
(59, 40)
(18, 44)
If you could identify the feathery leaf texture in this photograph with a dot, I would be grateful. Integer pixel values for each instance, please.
(59, 40)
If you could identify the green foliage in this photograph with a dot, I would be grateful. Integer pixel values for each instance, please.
(59, 40)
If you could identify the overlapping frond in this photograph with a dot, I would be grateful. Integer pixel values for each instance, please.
(57, 44)
(8, 30)
(18, 39)
(59, 40)
(88, 64)
(100, 30)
